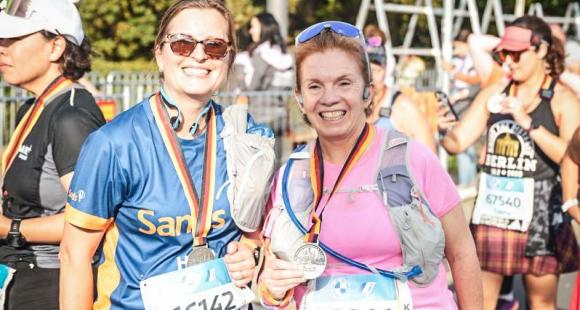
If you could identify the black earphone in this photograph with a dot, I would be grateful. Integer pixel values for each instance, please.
(366, 93)
(176, 121)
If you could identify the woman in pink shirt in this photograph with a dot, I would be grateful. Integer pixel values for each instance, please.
(352, 253)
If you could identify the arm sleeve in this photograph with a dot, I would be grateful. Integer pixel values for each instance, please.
(71, 126)
(97, 187)
(434, 181)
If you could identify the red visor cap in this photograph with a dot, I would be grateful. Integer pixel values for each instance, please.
(515, 39)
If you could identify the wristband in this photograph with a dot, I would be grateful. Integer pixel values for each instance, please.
(270, 302)
(533, 126)
(569, 204)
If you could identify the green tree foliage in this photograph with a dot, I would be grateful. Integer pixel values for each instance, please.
(125, 30)
(122, 29)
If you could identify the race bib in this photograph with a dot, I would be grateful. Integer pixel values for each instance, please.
(202, 287)
(357, 292)
(504, 202)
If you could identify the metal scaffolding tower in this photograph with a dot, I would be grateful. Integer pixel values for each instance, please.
(438, 50)
(452, 19)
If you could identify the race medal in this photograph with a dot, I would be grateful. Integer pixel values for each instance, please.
(494, 103)
(310, 255)
(504, 202)
(200, 255)
(312, 260)
(200, 204)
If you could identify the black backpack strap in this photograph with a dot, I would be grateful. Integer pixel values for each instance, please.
(548, 92)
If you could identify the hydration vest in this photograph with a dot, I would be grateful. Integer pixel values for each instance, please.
(250, 162)
(420, 232)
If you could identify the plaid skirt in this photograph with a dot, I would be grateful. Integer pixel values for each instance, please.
(507, 252)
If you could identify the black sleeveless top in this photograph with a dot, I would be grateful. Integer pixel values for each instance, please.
(511, 152)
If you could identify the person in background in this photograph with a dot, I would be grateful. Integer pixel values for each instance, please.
(529, 123)
(572, 162)
(390, 109)
(481, 52)
(266, 65)
(43, 49)
(465, 85)
(334, 88)
(376, 36)
(570, 76)
(150, 186)
(409, 69)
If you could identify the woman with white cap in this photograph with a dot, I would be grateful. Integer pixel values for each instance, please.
(42, 50)
(518, 222)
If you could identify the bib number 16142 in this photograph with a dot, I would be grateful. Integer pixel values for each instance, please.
(225, 301)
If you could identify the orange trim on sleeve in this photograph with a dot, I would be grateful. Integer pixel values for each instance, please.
(85, 220)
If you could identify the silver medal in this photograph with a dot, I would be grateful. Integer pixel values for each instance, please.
(199, 255)
(312, 260)
(494, 103)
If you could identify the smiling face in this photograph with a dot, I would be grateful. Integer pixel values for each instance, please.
(331, 86)
(196, 76)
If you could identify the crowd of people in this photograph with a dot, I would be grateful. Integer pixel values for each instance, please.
(176, 204)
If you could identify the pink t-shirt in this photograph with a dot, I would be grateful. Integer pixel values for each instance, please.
(358, 226)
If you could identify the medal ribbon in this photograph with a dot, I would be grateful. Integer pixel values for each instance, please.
(317, 177)
(545, 85)
(29, 120)
(201, 212)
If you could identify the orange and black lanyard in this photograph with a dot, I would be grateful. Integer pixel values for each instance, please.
(29, 120)
(513, 91)
(201, 207)
(317, 177)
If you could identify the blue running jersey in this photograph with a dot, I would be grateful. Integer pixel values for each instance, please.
(125, 182)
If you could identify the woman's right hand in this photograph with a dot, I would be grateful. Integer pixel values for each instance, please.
(445, 120)
(279, 276)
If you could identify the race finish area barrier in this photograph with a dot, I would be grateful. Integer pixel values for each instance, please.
(118, 91)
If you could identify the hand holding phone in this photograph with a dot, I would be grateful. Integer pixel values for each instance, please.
(443, 99)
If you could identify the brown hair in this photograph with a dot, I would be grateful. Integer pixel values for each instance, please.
(329, 40)
(373, 30)
(182, 5)
(75, 60)
(541, 31)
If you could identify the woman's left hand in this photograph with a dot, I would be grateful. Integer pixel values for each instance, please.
(240, 262)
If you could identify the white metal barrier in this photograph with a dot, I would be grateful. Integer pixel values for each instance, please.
(128, 88)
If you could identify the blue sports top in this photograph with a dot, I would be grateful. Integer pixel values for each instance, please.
(125, 182)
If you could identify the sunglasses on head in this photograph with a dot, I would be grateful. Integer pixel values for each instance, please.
(340, 28)
(184, 45)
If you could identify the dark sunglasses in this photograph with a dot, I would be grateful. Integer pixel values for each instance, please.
(184, 45)
(341, 28)
(501, 56)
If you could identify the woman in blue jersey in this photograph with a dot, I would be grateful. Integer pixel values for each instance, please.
(151, 186)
